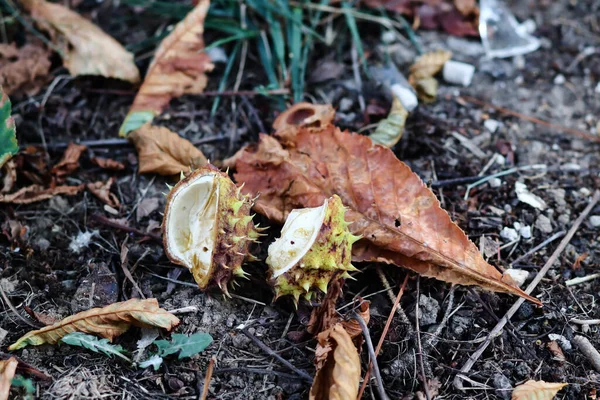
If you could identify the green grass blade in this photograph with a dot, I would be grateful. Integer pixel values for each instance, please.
(296, 58)
(226, 73)
(351, 22)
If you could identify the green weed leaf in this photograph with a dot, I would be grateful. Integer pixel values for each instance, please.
(186, 345)
(93, 343)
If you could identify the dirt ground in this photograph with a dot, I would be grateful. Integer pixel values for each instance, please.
(50, 272)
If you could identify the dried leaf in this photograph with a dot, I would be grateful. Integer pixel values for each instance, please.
(35, 193)
(108, 163)
(351, 326)
(108, 322)
(23, 70)
(536, 390)
(399, 218)
(7, 373)
(427, 65)
(69, 161)
(466, 7)
(178, 68)
(325, 315)
(85, 48)
(389, 130)
(102, 191)
(427, 89)
(164, 152)
(338, 366)
(556, 351)
(8, 139)
(9, 176)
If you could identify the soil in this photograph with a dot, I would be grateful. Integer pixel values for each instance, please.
(43, 270)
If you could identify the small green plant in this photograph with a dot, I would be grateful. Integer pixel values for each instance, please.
(93, 343)
(187, 346)
(25, 383)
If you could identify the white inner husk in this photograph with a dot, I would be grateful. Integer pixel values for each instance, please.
(297, 237)
(191, 222)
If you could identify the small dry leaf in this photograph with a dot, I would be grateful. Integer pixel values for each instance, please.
(352, 326)
(427, 89)
(427, 65)
(466, 7)
(69, 161)
(108, 163)
(390, 130)
(108, 322)
(164, 152)
(85, 48)
(399, 218)
(23, 70)
(35, 193)
(338, 366)
(536, 390)
(102, 191)
(9, 176)
(556, 351)
(178, 68)
(325, 315)
(7, 373)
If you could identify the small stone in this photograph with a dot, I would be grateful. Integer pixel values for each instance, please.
(3, 334)
(563, 219)
(491, 125)
(544, 224)
(217, 55)
(525, 232)
(517, 275)
(559, 196)
(345, 104)
(495, 182)
(519, 61)
(595, 221)
(388, 37)
(585, 192)
(564, 343)
(503, 386)
(559, 79)
(428, 310)
(41, 244)
(509, 234)
(597, 89)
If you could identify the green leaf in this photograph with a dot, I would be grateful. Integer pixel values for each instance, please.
(155, 362)
(188, 345)
(26, 383)
(134, 120)
(93, 343)
(8, 139)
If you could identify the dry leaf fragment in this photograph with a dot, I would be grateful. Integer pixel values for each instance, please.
(69, 161)
(108, 322)
(7, 373)
(556, 351)
(25, 69)
(108, 163)
(102, 191)
(338, 366)
(390, 130)
(178, 68)
(427, 65)
(164, 152)
(399, 218)
(9, 176)
(536, 390)
(34, 193)
(85, 48)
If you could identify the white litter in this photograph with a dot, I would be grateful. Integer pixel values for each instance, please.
(458, 73)
(525, 196)
(491, 125)
(525, 232)
(517, 275)
(407, 97)
(509, 234)
(81, 241)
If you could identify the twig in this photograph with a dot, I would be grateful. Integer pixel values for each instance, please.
(588, 350)
(372, 356)
(390, 293)
(105, 221)
(421, 363)
(14, 310)
(303, 374)
(585, 321)
(113, 143)
(583, 279)
(539, 246)
(383, 335)
(496, 330)
(209, 372)
(185, 310)
(503, 110)
(254, 371)
(502, 173)
(357, 78)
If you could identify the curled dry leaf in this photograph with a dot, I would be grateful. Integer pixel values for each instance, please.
(102, 191)
(390, 130)
(23, 70)
(84, 48)
(164, 152)
(34, 193)
(536, 390)
(427, 65)
(325, 315)
(399, 218)
(7, 373)
(352, 326)
(9, 176)
(69, 161)
(108, 322)
(178, 68)
(338, 366)
(108, 163)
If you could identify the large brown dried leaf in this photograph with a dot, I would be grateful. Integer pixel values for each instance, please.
(338, 366)
(536, 390)
(108, 322)
(85, 48)
(164, 152)
(400, 219)
(34, 193)
(7, 373)
(23, 70)
(178, 68)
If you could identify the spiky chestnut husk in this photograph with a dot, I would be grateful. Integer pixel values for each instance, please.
(315, 247)
(207, 227)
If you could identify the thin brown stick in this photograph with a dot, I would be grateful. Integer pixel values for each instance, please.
(209, 372)
(383, 335)
(500, 325)
(535, 120)
(14, 310)
(105, 221)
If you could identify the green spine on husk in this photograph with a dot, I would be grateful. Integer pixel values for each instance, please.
(233, 232)
(328, 258)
